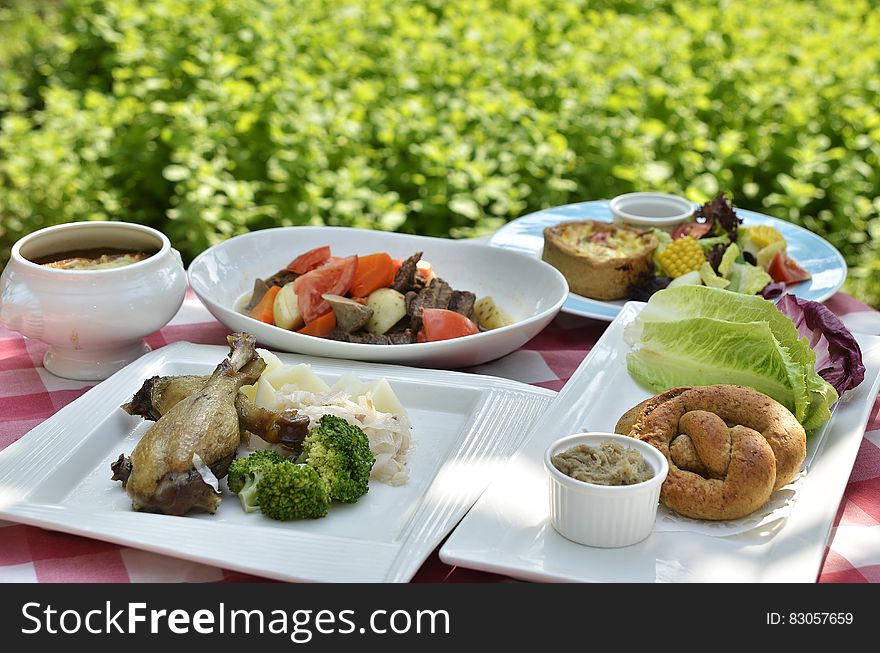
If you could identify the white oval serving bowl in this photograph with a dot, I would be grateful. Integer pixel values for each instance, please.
(602, 515)
(94, 321)
(531, 291)
(647, 210)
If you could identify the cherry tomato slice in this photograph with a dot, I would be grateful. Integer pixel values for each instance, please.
(334, 278)
(785, 269)
(310, 260)
(440, 324)
(694, 229)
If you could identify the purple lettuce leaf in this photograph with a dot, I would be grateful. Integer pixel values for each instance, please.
(838, 355)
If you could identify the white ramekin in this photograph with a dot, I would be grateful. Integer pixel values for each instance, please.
(647, 210)
(602, 515)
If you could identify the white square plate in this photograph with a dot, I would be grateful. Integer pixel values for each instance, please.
(58, 475)
(508, 530)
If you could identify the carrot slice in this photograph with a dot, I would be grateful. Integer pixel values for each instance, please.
(320, 327)
(425, 269)
(263, 311)
(374, 271)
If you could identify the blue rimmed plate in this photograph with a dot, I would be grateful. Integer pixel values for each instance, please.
(812, 252)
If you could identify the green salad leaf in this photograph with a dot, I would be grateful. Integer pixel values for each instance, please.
(748, 279)
(697, 335)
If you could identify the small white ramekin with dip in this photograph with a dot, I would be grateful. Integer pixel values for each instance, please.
(647, 210)
(617, 506)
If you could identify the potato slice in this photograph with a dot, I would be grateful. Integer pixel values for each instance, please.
(389, 306)
(489, 316)
(272, 363)
(385, 400)
(286, 310)
(350, 384)
(264, 395)
(300, 376)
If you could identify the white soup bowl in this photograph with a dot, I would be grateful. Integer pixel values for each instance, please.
(94, 321)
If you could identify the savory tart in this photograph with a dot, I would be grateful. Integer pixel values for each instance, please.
(599, 259)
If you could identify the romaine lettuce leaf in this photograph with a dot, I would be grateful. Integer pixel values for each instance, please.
(696, 335)
(674, 304)
(705, 351)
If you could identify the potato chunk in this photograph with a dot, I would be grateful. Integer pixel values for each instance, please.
(286, 310)
(389, 307)
(488, 315)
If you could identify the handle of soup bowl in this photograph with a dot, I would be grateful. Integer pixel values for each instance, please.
(20, 309)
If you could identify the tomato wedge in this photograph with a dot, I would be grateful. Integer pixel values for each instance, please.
(785, 269)
(440, 324)
(333, 278)
(694, 229)
(310, 260)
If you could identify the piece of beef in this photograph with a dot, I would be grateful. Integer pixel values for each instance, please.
(407, 278)
(462, 301)
(281, 278)
(437, 294)
(403, 338)
(351, 316)
(401, 326)
(259, 291)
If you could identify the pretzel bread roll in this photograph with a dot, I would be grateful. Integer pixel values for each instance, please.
(728, 447)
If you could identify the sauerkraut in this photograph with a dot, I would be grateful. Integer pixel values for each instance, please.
(389, 433)
(372, 406)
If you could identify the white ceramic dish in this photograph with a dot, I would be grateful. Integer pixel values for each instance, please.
(507, 531)
(58, 476)
(813, 252)
(94, 321)
(531, 291)
(603, 515)
(646, 210)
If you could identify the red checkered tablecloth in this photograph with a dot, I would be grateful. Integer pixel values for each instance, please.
(29, 395)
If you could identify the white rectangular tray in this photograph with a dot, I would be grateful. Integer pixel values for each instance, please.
(508, 531)
(58, 475)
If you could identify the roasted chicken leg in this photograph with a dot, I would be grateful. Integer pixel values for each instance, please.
(160, 394)
(165, 471)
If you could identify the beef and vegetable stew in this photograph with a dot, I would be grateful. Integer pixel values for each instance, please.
(372, 299)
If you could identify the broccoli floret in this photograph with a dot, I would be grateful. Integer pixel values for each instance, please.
(291, 491)
(243, 469)
(340, 452)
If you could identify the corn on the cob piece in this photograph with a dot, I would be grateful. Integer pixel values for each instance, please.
(681, 256)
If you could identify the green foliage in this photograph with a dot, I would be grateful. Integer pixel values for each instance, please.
(209, 119)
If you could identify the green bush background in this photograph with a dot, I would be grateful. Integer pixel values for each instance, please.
(209, 118)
